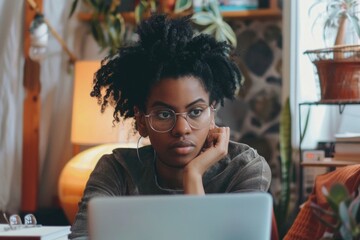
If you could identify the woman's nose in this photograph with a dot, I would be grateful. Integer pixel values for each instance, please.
(181, 126)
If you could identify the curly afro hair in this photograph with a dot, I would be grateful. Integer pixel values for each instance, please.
(166, 48)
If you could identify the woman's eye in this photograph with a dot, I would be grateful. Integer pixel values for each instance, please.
(195, 112)
(164, 115)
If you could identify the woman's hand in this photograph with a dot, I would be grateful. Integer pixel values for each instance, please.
(215, 148)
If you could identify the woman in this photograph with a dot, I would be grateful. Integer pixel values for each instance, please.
(170, 81)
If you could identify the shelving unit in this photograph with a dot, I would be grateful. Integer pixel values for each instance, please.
(253, 14)
(329, 163)
(272, 12)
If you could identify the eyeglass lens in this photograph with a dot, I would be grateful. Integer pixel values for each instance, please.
(15, 222)
(163, 120)
(30, 219)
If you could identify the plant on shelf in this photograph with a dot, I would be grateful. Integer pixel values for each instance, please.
(209, 18)
(343, 217)
(339, 65)
(108, 25)
(146, 7)
(338, 14)
(282, 205)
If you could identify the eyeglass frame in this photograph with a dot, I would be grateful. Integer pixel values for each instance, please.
(20, 225)
(147, 116)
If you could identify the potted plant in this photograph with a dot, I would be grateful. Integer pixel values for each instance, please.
(107, 18)
(210, 21)
(343, 217)
(338, 66)
(146, 7)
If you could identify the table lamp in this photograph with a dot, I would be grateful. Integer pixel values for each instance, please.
(93, 130)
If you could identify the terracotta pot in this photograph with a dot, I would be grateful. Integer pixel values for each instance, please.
(339, 79)
(338, 70)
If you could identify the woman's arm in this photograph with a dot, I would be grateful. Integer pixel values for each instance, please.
(216, 147)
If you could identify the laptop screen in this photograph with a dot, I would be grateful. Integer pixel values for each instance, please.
(174, 217)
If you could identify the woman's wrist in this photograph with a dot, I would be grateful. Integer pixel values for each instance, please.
(192, 182)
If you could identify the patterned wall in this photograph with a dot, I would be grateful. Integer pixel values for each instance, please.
(254, 116)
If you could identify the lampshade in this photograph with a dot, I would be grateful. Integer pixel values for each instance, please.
(90, 126)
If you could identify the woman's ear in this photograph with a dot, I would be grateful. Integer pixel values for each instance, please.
(140, 123)
(212, 123)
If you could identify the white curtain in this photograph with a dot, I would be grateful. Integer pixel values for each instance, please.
(56, 100)
(11, 100)
(56, 97)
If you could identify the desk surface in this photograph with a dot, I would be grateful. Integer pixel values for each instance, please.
(48, 232)
(327, 162)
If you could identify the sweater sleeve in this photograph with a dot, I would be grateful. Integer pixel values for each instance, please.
(243, 170)
(107, 179)
(253, 173)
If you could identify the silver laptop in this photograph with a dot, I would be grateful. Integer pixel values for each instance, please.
(181, 217)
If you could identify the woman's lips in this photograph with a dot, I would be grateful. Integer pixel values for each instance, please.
(182, 147)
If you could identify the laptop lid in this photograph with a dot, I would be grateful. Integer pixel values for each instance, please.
(174, 217)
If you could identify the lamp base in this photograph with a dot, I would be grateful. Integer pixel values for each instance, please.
(74, 176)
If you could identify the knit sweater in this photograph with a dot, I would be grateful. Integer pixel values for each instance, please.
(133, 172)
(307, 225)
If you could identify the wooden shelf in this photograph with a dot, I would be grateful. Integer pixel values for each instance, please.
(328, 162)
(266, 13)
(86, 17)
(253, 14)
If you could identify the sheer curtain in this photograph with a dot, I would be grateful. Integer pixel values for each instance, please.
(11, 100)
(56, 98)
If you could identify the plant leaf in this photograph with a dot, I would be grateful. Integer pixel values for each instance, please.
(229, 34)
(203, 18)
(139, 10)
(73, 7)
(286, 159)
(214, 8)
(355, 23)
(210, 29)
(344, 215)
(354, 207)
(345, 229)
(219, 35)
(337, 194)
(182, 5)
(98, 34)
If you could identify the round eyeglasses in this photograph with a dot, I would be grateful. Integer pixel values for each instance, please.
(164, 119)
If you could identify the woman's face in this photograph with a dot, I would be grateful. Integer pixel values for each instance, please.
(182, 143)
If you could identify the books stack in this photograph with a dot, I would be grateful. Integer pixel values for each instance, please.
(347, 147)
(230, 5)
(237, 5)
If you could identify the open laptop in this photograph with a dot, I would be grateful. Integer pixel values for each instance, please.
(173, 217)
